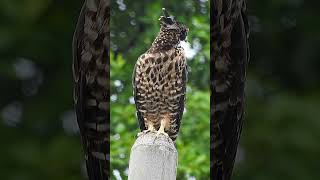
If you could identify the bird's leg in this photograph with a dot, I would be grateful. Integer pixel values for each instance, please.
(150, 129)
(161, 129)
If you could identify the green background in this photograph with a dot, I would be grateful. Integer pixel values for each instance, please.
(38, 133)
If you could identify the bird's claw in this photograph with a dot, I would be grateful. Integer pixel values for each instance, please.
(160, 132)
(145, 132)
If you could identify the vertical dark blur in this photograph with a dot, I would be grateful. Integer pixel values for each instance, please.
(38, 132)
(281, 131)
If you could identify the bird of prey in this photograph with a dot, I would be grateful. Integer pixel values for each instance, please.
(91, 85)
(159, 80)
(229, 58)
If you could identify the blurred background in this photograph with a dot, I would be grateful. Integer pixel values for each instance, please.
(134, 26)
(38, 133)
(281, 133)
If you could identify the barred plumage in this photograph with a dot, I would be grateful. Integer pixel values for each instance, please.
(91, 85)
(159, 80)
(229, 58)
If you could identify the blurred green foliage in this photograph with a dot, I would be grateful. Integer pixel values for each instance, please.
(38, 135)
(38, 132)
(133, 28)
(280, 137)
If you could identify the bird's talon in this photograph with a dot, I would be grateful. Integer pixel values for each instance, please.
(145, 132)
(162, 132)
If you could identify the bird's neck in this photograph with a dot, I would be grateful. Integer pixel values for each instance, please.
(166, 39)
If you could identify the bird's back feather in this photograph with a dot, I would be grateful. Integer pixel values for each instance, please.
(229, 53)
(91, 85)
(159, 82)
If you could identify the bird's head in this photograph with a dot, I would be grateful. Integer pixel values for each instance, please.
(170, 24)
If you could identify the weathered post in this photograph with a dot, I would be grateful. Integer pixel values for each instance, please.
(153, 158)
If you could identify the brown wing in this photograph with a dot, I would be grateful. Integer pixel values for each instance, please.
(91, 85)
(229, 49)
(180, 87)
(145, 93)
(136, 97)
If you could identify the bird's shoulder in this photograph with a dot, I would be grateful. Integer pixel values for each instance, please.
(145, 57)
